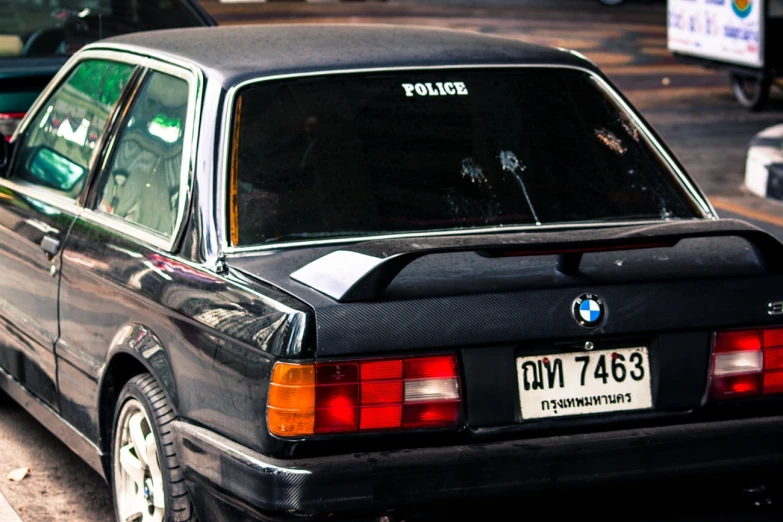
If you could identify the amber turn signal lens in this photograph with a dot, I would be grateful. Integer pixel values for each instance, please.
(290, 423)
(291, 401)
(299, 398)
(294, 374)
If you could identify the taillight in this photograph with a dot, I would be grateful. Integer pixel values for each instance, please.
(8, 123)
(291, 400)
(360, 396)
(747, 363)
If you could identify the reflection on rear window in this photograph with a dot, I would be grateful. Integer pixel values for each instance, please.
(351, 156)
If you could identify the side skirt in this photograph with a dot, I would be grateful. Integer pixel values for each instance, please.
(77, 442)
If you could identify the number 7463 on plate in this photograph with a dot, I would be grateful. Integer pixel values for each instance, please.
(581, 383)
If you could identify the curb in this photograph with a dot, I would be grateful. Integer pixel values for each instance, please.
(764, 165)
(7, 513)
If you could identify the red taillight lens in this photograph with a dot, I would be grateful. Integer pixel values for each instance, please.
(415, 392)
(336, 397)
(747, 340)
(336, 408)
(379, 370)
(382, 392)
(432, 395)
(735, 386)
(747, 363)
(773, 358)
(773, 382)
(336, 373)
(381, 417)
(430, 414)
(430, 367)
(773, 338)
(8, 123)
(773, 361)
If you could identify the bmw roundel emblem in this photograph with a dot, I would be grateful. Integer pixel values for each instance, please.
(588, 310)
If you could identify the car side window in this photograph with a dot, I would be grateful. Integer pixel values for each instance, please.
(60, 141)
(142, 182)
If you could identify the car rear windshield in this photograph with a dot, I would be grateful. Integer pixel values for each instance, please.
(408, 152)
(39, 29)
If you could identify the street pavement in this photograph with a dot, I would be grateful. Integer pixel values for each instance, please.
(60, 487)
(692, 108)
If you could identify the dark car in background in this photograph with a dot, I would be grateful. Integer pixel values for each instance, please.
(303, 271)
(36, 38)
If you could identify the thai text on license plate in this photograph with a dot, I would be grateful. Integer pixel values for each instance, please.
(584, 382)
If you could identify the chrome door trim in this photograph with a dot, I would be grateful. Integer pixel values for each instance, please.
(194, 77)
(49, 197)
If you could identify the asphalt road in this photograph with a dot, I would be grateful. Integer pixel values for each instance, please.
(693, 110)
(60, 486)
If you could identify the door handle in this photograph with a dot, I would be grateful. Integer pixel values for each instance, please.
(51, 246)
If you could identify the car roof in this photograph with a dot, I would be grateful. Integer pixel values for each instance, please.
(232, 54)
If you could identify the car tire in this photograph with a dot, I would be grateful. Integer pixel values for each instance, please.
(751, 92)
(147, 484)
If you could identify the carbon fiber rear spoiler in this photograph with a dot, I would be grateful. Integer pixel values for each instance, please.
(365, 270)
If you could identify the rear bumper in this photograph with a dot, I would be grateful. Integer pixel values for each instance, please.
(377, 481)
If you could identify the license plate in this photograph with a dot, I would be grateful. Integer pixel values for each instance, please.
(584, 382)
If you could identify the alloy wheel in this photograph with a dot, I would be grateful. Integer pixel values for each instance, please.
(138, 480)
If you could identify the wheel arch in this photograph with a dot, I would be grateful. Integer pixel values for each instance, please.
(134, 350)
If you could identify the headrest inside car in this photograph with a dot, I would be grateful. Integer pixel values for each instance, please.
(10, 45)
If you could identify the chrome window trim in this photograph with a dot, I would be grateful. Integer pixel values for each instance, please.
(189, 148)
(186, 71)
(242, 251)
(225, 141)
(208, 251)
(49, 197)
(126, 228)
(163, 64)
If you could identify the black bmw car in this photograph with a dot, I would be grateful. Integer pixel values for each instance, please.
(266, 273)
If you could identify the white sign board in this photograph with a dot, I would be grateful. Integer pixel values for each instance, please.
(725, 30)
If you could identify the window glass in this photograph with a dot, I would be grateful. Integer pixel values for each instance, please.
(61, 140)
(350, 155)
(142, 182)
(43, 28)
